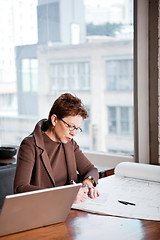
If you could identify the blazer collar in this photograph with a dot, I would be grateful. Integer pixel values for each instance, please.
(37, 133)
(40, 144)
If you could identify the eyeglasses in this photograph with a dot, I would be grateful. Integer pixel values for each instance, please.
(71, 127)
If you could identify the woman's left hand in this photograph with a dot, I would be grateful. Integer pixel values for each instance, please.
(92, 191)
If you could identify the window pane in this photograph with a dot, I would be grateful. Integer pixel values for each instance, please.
(124, 118)
(26, 75)
(120, 75)
(112, 120)
(88, 53)
(71, 76)
(29, 75)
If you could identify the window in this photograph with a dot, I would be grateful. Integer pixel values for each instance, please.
(120, 130)
(89, 52)
(86, 123)
(119, 75)
(70, 76)
(29, 75)
(125, 122)
(120, 121)
(112, 120)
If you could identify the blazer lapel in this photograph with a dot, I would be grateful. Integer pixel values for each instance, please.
(70, 161)
(45, 160)
(40, 144)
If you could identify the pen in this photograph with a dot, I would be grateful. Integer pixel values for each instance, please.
(73, 182)
(126, 203)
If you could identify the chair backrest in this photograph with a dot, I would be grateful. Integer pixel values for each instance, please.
(7, 174)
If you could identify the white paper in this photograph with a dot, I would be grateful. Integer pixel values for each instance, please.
(138, 170)
(145, 194)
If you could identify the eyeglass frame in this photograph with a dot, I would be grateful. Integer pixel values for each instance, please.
(70, 127)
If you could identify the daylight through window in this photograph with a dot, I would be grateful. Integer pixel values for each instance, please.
(81, 46)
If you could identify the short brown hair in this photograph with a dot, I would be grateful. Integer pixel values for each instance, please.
(67, 105)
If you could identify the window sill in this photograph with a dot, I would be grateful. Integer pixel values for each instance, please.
(106, 160)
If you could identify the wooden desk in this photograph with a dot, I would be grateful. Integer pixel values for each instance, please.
(105, 171)
(83, 226)
(7, 161)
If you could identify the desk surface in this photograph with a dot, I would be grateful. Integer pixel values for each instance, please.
(7, 161)
(81, 226)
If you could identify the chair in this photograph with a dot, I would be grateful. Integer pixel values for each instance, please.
(7, 174)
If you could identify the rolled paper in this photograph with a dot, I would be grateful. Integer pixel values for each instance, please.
(139, 171)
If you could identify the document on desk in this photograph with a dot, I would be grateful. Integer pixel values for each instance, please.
(133, 192)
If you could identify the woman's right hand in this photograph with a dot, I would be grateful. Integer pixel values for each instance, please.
(82, 195)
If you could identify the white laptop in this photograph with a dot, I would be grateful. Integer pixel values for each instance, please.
(35, 209)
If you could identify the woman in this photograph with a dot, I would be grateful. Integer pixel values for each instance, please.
(49, 157)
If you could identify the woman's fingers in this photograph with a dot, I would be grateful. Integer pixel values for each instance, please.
(84, 192)
(82, 195)
(93, 192)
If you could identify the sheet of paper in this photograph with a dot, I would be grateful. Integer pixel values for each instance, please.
(145, 194)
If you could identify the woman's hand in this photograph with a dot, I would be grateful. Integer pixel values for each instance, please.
(87, 190)
(92, 191)
(82, 195)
